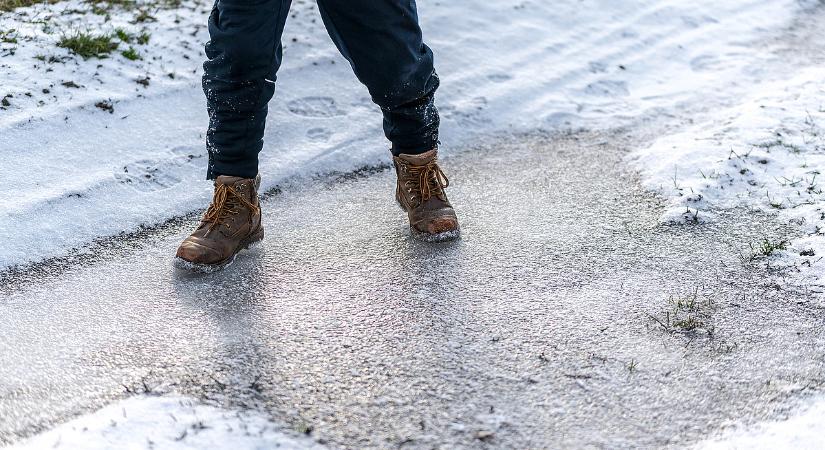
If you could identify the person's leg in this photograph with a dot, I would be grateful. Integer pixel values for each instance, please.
(244, 52)
(383, 43)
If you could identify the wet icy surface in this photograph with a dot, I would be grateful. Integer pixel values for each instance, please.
(534, 330)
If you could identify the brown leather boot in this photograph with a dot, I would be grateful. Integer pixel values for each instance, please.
(420, 192)
(231, 224)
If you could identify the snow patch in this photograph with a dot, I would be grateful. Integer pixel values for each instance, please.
(172, 423)
(766, 153)
(803, 431)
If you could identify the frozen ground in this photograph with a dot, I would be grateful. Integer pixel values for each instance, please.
(532, 331)
(578, 310)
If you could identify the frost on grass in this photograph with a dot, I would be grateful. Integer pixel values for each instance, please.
(767, 154)
(169, 423)
(687, 314)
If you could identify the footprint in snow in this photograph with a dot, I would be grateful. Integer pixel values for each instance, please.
(597, 67)
(469, 112)
(704, 63)
(607, 88)
(319, 134)
(190, 152)
(146, 176)
(499, 77)
(696, 22)
(315, 107)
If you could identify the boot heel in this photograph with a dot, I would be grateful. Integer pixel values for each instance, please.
(255, 238)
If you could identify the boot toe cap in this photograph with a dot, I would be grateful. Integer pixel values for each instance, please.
(198, 253)
(444, 222)
(442, 225)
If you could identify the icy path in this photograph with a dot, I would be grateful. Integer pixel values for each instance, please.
(74, 173)
(566, 317)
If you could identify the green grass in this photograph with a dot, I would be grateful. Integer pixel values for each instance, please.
(767, 248)
(101, 7)
(144, 16)
(8, 5)
(8, 37)
(123, 35)
(131, 54)
(88, 45)
(687, 314)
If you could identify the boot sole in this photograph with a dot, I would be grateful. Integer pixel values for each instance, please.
(247, 243)
(446, 236)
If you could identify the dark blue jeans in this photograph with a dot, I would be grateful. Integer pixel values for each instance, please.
(380, 38)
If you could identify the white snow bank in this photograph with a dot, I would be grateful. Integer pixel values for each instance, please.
(767, 153)
(803, 431)
(173, 423)
(72, 172)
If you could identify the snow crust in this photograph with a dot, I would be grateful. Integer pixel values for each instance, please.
(173, 423)
(802, 431)
(765, 153)
(73, 172)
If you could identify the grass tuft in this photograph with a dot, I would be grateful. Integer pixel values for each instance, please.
(88, 45)
(123, 35)
(687, 314)
(767, 248)
(144, 16)
(8, 36)
(131, 54)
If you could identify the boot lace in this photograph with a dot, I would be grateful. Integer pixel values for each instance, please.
(431, 180)
(225, 204)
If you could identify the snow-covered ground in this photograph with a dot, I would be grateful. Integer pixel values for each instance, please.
(74, 171)
(173, 423)
(800, 431)
(766, 152)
